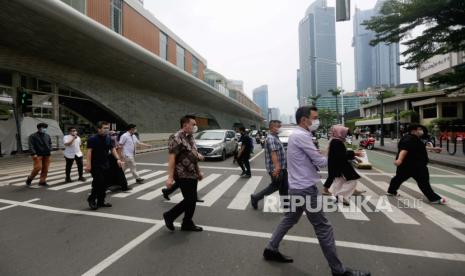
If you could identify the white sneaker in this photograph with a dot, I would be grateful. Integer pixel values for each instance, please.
(441, 201)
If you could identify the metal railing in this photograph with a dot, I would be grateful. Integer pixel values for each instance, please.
(452, 136)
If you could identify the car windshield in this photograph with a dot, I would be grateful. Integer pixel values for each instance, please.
(210, 135)
(285, 133)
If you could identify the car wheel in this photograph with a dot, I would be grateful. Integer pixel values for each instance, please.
(223, 155)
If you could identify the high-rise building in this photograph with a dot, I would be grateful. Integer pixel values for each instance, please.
(260, 97)
(317, 51)
(374, 66)
(274, 113)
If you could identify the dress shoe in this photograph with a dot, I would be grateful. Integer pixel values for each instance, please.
(193, 228)
(105, 204)
(82, 179)
(276, 256)
(92, 204)
(68, 180)
(28, 182)
(200, 200)
(353, 272)
(168, 222)
(254, 202)
(165, 194)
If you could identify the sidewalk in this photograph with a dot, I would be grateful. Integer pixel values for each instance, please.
(443, 158)
(17, 163)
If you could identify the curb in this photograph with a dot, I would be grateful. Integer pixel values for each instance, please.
(431, 161)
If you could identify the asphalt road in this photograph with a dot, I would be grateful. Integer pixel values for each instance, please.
(51, 231)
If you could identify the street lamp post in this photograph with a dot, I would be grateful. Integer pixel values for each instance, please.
(330, 61)
(381, 95)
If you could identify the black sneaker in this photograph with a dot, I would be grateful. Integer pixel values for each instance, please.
(165, 194)
(353, 272)
(28, 182)
(104, 204)
(192, 228)
(43, 184)
(276, 256)
(140, 180)
(68, 180)
(82, 179)
(169, 223)
(254, 202)
(126, 189)
(246, 176)
(92, 204)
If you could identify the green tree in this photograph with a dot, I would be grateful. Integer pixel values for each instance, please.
(327, 117)
(444, 22)
(313, 99)
(336, 92)
(386, 94)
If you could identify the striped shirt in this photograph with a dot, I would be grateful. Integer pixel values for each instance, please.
(273, 143)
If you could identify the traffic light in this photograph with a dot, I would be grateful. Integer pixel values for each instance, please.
(23, 97)
(342, 10)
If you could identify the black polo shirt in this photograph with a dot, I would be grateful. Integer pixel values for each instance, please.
(101, 149)
(417, 156)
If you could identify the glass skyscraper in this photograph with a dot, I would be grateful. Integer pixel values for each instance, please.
(260, 97)
(374, 66)
(317, 51)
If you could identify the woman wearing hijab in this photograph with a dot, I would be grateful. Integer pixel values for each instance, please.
(339, 167)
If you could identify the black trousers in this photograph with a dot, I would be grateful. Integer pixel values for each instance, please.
(328, 182)
(187, 205)
(69, 165)
(244, 163)
(278, 183)
(117, 177)
(99, 184)
(421, 176)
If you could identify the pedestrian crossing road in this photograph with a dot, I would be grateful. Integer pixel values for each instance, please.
(389, 230)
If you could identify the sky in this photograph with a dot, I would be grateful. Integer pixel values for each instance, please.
(256, 41)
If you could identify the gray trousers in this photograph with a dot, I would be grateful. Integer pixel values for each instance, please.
(321, 225)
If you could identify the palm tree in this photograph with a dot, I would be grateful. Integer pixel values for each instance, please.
(314, 99)
(336, 92)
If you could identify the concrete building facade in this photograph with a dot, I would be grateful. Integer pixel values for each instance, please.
(260, 97)
(108, 60)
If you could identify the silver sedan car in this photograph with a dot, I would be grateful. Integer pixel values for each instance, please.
(216, 143)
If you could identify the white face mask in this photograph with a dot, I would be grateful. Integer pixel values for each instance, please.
(315, 125)
(195, 129)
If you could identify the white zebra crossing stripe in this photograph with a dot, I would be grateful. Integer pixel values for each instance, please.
(461, 187)
(144, 186)
(450, 189)
(352, 212)
(457, 206)
(218, 191)
(62, 181)
(242, 198)
(69, 185)
(52, 171)
(19, 181)
(395, 214)
(89, 183)
(202, 184)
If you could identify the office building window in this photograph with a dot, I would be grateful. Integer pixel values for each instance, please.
(195, 67)
(430, 111)
(79, 5)
(180, 62)
(116, 15)
(449, 110)
(163, 46)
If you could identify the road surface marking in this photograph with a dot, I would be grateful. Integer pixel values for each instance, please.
(19, 181)
(242, 199)
(256, 155)
(14, 205)
(122, 251)
(395, 214)
(144, 186)
(450, 189)
(218, 191)
(345, 244)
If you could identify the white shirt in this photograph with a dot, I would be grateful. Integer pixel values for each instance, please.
(74, 149)
(128, 143)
